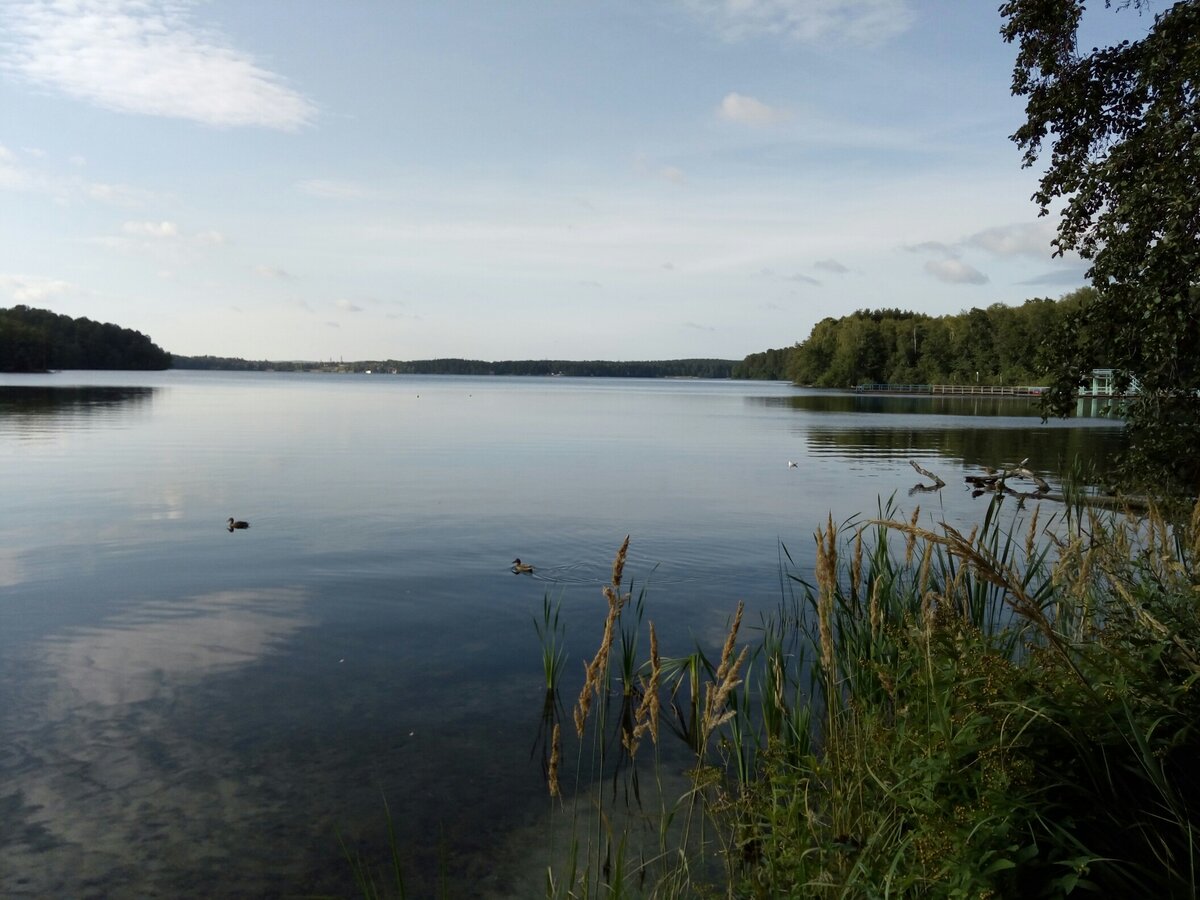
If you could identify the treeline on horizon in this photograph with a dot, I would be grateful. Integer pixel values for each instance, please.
(668, 368)
(38, 340)
(997, 345)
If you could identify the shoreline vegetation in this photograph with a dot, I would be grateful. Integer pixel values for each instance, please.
(663, 368)
(37, 340)
(1009, 712)
(999, 345)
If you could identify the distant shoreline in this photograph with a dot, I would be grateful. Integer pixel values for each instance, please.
(668, 368)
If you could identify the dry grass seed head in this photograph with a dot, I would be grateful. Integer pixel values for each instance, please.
(618, 568)
(1192, 543)
(715, 714)
(727, 650)
(826, 575)
(555, 757)
(856, 564)
(874, 611)
(594, 673)
(911, 536)
(725, 679)
(1031, 533)
(926, 561)
(649, 709)
(583, 705)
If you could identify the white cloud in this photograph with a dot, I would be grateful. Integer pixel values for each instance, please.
(749, 111)
(347, 305)
(273, 272)
(332, 190)
(866, 22)
(830, 265)
(672, 174)
(146, 57)
(164, 230)
(1025, 239)
(120, 194)
(933, 247)
(33, 289)
(29, 171)
(803, 279)
(1075, 276)
(645, 166)
(954, 271)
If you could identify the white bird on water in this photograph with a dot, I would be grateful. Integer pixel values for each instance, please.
(791, 465)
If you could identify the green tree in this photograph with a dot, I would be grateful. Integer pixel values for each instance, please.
(33, 340)
(1122, 124)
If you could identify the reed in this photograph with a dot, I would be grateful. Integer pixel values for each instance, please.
(1008, 711)
(550, 632)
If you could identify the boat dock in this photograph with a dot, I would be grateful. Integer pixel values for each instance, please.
(994, 390)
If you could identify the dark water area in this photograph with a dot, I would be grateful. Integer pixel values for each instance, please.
(188, 711)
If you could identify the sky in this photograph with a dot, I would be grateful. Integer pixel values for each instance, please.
(632, 179)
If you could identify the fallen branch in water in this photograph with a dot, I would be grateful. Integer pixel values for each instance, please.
(937, 485)
(997, 482)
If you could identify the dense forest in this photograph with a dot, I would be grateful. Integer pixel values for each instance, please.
(37, 340)
(998, 345)
(670, 368)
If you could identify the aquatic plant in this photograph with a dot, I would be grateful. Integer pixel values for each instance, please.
(1009, 711)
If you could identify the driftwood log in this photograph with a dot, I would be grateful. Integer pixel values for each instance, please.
(996, 482)
(937, 485)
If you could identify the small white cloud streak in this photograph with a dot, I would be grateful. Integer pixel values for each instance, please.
(937, 247)
(673, 175)
(865, 22)
(1075, 276)
(745, 110)
(119, 195)
(1025, 239)
(162, 230)
(273, 272)
(146, 57)
(332, 190)
(25, 173)
(954, 271)
(13, 176)
(347, 305)
(33, 289)
(830, 265)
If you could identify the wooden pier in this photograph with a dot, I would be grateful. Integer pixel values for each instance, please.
(990, 390)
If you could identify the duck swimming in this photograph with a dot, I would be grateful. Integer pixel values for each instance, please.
(520, 568)
(236, 523)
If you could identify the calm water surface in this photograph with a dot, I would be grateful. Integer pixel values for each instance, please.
(186, 711)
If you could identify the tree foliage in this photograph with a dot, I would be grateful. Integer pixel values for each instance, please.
(997, 345)
(37, 340)
(770, 365)
(661, 368)
(1122, 126)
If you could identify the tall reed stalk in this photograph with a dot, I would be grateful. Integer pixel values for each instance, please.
(1009, 711)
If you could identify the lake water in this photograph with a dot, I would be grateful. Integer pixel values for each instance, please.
(186, 711)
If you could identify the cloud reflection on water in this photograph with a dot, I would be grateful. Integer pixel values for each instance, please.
(134, 661)
(102, 775)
